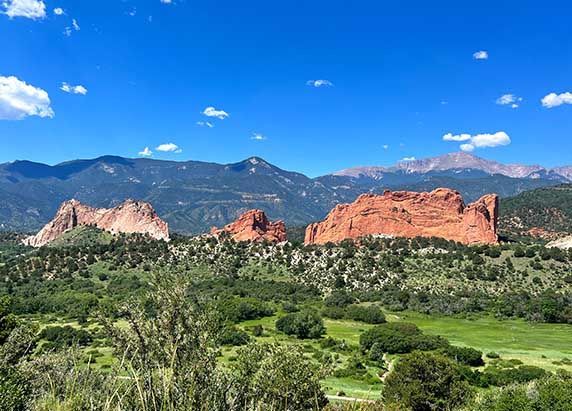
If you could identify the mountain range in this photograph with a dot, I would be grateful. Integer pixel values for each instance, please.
(193, 196)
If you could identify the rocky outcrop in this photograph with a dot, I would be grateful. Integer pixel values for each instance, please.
(253, 226)
(440, 213)
(128, 217)
(564, 243)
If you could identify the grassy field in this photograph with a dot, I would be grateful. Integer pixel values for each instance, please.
(534, 344)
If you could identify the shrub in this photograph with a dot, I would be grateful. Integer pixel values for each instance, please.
(305, 324)
(370, 315)
(339, 298)
(424, 382)
(399, 338)
(464, 355)
(66, 336)
(243, 309)
(234, 337)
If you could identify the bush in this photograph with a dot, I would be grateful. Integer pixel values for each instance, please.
(464, 355)
(505, 376)
(553, 393)
(425, 382)
(15, 390)
(277, 377)
(305, 324)
(399, 338)
(339, 298)
(370, 315)
(66, 336)
(243, 309)
(234, 337)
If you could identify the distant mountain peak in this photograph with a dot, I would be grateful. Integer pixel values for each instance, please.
(450, 161)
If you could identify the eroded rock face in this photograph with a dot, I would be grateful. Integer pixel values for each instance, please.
(440, 213)
(128, 217)
(254, 226)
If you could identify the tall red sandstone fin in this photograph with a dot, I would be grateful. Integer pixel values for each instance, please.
(440, 213)
(253, 225)
(129, 217)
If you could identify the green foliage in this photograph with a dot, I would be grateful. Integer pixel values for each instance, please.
(339, 298)
(549, 208)
(305, 324)
(277, 377)
(371, 314)
(234, 337)
(426, 382)
(464, 355)
(552, 393)
(15, 390)
(63, 337)
(242, 309)
(399, 338)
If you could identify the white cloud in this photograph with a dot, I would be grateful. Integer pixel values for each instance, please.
(79, 89)
(166, 1)
(386, 146)
(458, 137)
(320, 83)
(169, 148)
(31, 9)
(408, 159)
(19, 100)
(213, 112)
(509, 99)
(481, 55)
(500, 138)
(205, 124)
(69, 30)
(554, 100)
(467, 147)
(58, 11)
(145, 152)
(258, 137)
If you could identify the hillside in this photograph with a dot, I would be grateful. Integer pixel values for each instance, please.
(193, 196)
(544, 212)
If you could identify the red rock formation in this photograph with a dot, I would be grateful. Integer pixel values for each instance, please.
(254, 226)
(128, 217)
(440, 213)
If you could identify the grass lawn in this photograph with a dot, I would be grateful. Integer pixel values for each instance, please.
(533, 343)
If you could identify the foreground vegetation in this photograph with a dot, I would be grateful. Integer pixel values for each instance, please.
(129, 323)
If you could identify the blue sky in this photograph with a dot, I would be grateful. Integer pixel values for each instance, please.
(403, 75)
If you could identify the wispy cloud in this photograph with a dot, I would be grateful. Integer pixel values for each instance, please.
(500, 138)
(79, 89)
(166, 1)
(554, 100)
(320, 83)
(205, 124)
(481, 55)
(74, 27)
(213, 112)
(509, 99)
(385, 146)
(19, 100)
(30, 9)
(258, 137)
(146, 152)
(169, 148)
(408, 159)
(58, 11)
